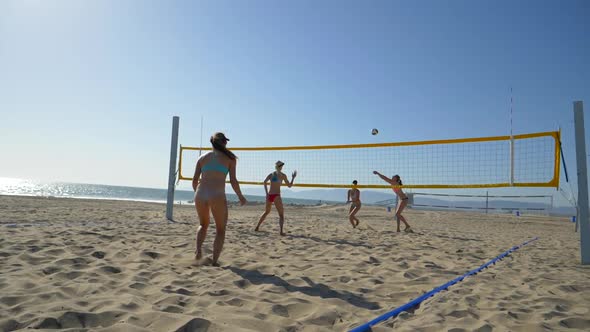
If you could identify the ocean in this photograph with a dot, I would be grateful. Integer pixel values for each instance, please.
(20, 187)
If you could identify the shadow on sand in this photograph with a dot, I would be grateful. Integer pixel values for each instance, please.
(320, 290)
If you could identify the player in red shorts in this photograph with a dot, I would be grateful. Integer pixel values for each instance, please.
(273, 195)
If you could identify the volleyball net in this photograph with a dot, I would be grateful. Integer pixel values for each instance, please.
(529, 204)
(527, 160)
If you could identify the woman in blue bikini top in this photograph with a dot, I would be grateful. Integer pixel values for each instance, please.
(209, 186)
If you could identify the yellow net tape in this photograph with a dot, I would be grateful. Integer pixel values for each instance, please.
(482, 162)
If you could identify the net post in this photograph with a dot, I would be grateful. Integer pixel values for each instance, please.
(511, 160)
(179, 163)
(172, 169)
(577, 219)
(582, 182)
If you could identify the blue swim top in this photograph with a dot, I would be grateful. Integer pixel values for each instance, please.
(215, 165)
(274, 178)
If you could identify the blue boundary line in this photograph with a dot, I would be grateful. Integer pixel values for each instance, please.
(416, 301)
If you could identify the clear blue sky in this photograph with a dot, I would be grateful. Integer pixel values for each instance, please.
(88, 88)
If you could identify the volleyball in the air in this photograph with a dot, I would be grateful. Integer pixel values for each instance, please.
(374, 131)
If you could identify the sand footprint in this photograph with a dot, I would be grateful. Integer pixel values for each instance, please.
(325, 318)
(242, 283)
(99, 254)
(280, 310)
(576, 323)
(411, 274)
(236, 302)
(138, 285)
(50, 270)
(110, 269)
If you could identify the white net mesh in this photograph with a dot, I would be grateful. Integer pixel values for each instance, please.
(480, 162)
(524, 204)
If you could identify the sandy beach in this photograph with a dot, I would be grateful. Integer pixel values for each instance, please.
(120, 266)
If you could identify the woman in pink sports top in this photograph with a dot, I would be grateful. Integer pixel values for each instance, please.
(396, 183)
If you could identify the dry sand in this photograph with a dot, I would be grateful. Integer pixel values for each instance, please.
(119, 266)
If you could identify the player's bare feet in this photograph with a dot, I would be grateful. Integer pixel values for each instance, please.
(203, 261)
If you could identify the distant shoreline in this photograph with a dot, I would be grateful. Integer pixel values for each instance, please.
(259, 201)
(335, 197)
